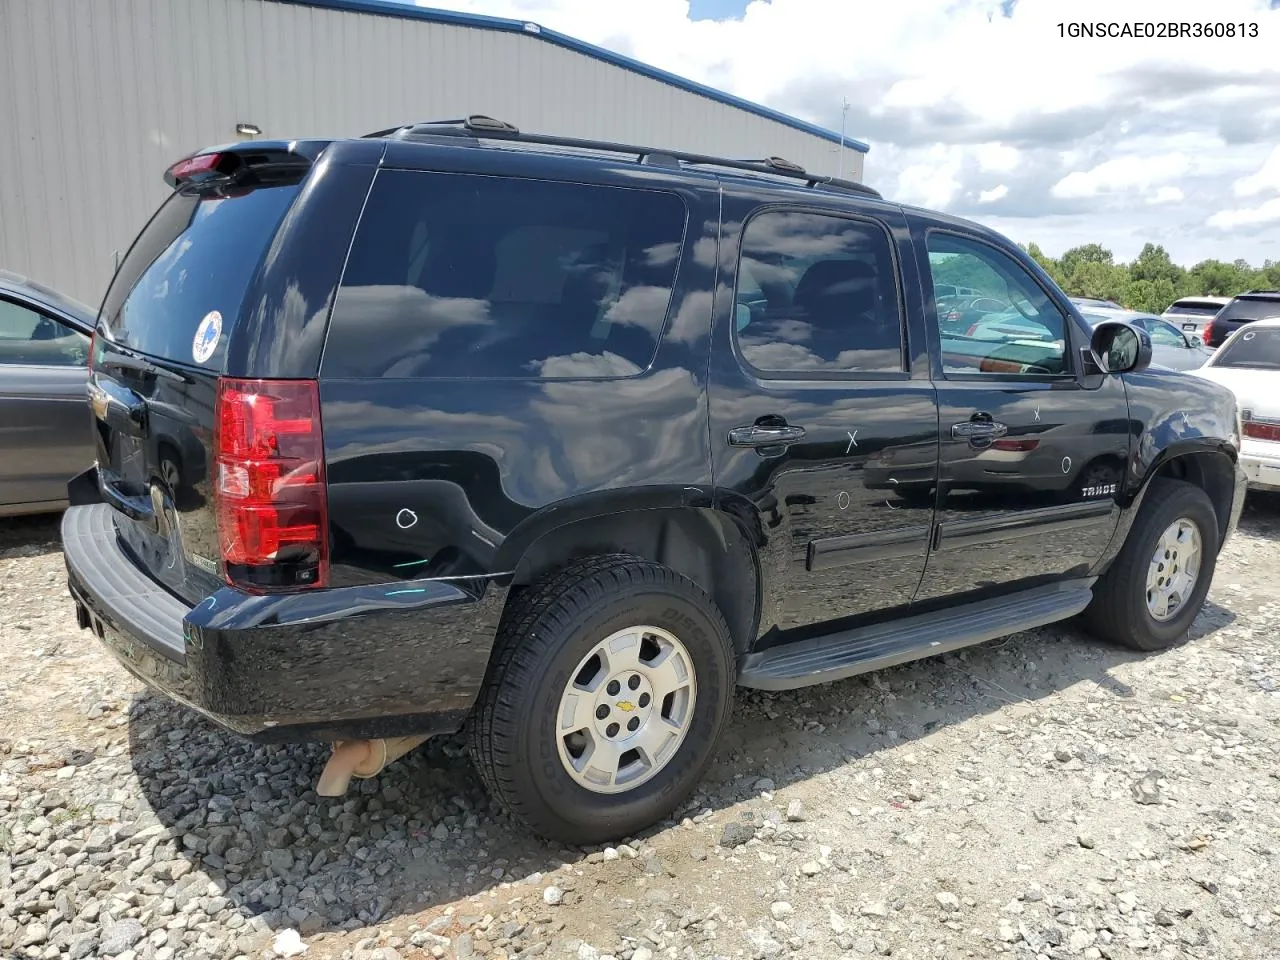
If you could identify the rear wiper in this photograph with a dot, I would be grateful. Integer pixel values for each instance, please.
(147, 367)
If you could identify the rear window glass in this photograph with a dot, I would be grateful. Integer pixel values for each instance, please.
(196, 256)
(1253, 348)
(1194, 309)
(1242, 309)
(461, 275)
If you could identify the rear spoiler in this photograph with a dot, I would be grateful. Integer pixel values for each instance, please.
(246, 162)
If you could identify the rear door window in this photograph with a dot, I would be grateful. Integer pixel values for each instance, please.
(817, 296)
(463, 275)
(193, 261)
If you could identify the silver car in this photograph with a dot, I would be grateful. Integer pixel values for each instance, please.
(1170, 347)
(1192, 313)
(45, 433)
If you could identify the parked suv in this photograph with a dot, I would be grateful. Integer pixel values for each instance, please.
(1246, 308)
(558, 441)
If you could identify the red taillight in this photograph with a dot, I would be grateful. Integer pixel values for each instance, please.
(270, 497)
(1016, 446)
(1206, 333)
(1262, 431)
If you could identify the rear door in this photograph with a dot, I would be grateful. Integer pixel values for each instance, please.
(824, 425)
(161, 344)
(44, 419)
(1032, 453)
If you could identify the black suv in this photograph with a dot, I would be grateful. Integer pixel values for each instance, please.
(1246, 308)
(558, 441)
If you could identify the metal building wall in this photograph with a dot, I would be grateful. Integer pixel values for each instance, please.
(97, 97)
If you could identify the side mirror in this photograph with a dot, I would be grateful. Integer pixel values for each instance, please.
(1196, 341)
(1119, 347)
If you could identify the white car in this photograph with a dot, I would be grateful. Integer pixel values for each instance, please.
(1248, 364)
(1192, 313)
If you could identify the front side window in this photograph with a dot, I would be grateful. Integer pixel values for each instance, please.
(817, 294)
(1165, 335)
(30, 338)
(462, 275)
(1011, 328)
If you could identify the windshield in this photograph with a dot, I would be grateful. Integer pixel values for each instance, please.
(193, 261)
(1255, 349)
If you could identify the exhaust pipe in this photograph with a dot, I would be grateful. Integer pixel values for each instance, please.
(361, 758)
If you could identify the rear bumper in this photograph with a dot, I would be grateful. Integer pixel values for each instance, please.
(364, 661)
(1260, 460)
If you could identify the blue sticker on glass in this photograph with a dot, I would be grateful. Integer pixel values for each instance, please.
(206, 338)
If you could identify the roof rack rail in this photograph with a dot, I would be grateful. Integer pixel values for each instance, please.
(1272, 290)
(485, 127)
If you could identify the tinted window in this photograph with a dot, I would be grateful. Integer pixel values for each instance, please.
(1013, 328)
(821, 296)
(1253, 348)
(28, 337)
(1242, 310)
(197, 255)
(1181, 309)
(456, 275)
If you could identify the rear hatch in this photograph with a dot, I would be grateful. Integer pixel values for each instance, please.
(161, 345)
(1245, 308)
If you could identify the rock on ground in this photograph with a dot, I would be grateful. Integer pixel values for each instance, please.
(1040, 796)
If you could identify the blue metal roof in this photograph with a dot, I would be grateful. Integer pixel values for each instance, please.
(391, 8)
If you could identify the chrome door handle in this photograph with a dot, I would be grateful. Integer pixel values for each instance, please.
(978, 429)
(758, 435)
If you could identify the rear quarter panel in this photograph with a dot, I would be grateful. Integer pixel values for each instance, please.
(445, 478)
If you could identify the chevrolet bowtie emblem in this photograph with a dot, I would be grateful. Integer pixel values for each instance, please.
(626, 706)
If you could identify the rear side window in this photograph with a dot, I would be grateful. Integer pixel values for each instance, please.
(1255, 348)
(462, 275)
(817, 295)
(194, 260)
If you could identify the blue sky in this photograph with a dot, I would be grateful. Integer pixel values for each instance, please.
(983, 108)
(720, 9)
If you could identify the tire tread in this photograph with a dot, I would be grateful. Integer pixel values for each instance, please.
(536, 619)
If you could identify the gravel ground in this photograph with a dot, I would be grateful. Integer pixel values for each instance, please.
(1044, 796)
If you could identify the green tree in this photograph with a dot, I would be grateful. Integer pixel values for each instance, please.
(1154, 264)
(1088, 253)
(1103, 281)
(1047, 263)
(1150, 296)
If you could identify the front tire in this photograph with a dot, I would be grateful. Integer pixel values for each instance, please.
(1156, 586)
(608, 689)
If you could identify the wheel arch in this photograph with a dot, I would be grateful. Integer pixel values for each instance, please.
(707, 545)
(1209, 466)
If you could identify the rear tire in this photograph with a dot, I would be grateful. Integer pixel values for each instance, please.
(1145, 601)
(672, 677)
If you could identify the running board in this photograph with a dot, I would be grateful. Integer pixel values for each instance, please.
(865, 649)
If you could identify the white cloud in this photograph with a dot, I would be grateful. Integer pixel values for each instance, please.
(958, 101)
(997, 157)
(1122, 173)
(1166, 195)
(1265, 180)
(1268, 213)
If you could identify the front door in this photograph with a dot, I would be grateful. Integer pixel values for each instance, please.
(1032, 453)
(824, 432)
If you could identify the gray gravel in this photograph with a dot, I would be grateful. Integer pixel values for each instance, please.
(1043, 796)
